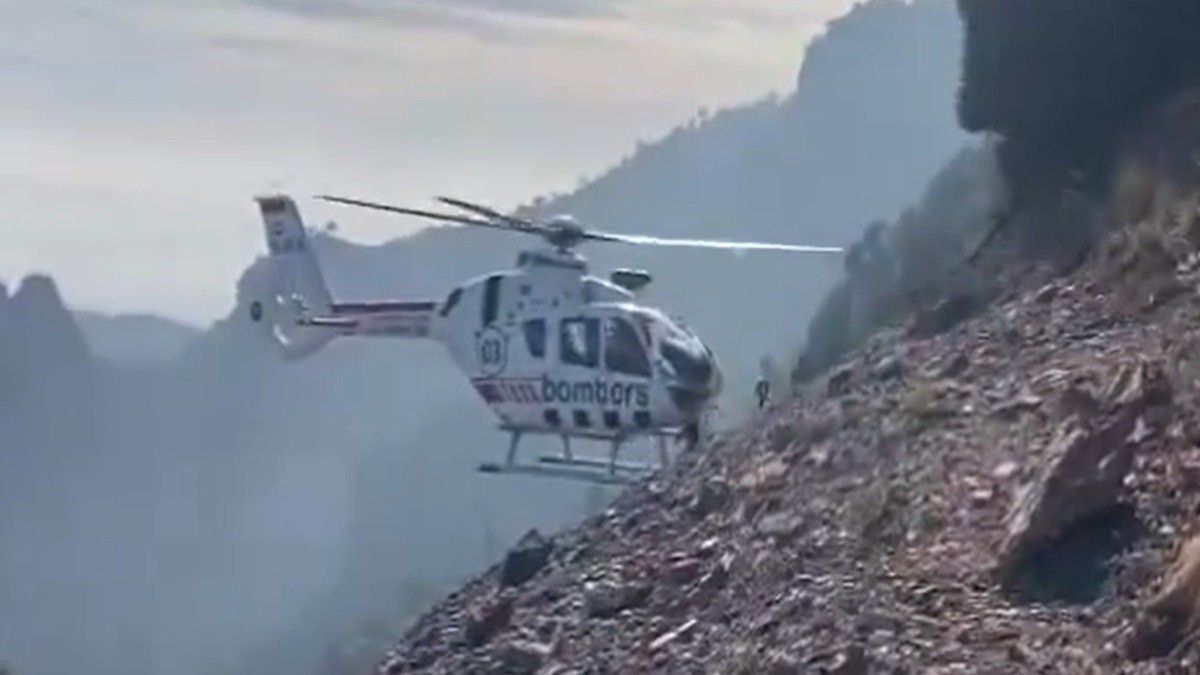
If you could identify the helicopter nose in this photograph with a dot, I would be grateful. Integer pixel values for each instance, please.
(697, 378)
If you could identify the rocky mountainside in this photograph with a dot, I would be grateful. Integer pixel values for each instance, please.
(1003, 494)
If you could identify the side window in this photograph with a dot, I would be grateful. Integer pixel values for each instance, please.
(623, 353)
(580, 342)
(535, 337)
(491, 299)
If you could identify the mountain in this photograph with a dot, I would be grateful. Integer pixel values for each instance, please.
(1005, 496)
(135, 339)
(239, 514)
(870, 121)
(36, 329)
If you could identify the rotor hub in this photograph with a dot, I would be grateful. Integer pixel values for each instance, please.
(564, 232)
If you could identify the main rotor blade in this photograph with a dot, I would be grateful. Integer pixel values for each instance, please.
(432, 215)
(487, 212)
(708, 243)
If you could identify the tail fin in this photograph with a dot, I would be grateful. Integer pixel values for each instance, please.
(297, 288)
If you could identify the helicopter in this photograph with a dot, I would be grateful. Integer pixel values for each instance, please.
(548, 347)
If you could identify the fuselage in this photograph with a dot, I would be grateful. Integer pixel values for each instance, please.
(550, 348)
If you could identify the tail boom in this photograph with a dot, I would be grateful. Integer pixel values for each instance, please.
(299, 310)
(397, 319)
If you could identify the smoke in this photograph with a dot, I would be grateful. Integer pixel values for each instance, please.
(1065, 82)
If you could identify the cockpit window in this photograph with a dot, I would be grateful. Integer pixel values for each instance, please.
(690, 364)
(451, 301)
(580, 342)
(623, 352)
(535, 337)
(644, 321)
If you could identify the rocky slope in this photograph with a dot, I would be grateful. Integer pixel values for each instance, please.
(1002, 496)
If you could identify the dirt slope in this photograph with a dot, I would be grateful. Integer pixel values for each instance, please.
(860, 528)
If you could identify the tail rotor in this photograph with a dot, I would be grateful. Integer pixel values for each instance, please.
(296, 288)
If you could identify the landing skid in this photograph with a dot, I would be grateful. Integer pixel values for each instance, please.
(559, 472)
(593, 463)
(567, 466)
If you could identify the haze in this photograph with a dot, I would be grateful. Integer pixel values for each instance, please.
(179, 500)
(134, 127)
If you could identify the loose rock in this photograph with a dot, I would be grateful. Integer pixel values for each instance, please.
(712, 496)
(526, 559)
(1174, 612)
(521, 657)
(488, 619)
(605, 599)
(1083, 476)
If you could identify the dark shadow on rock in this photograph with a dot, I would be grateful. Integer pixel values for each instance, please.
(1077, 567)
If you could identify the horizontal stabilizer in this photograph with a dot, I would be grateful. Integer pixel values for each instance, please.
(327, 322)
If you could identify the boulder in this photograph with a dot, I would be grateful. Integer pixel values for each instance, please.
(766, 477)
(712, 495)
(1173, 613)
(944, 315)
(888, 368)
(953, 367)
(488, 619)
(850, 661)
(718, 576)
(1013, 408)
(1082, 477)
(1084, 470)
(526, 559)
(522, 657)
(780, 524)
(606, 599)
(682, 571)
(1046, 294)
(1138, 386)
(839, 381)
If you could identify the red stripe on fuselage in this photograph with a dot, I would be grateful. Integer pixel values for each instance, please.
(521, 391)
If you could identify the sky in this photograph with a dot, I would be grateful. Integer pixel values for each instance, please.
(134, 133)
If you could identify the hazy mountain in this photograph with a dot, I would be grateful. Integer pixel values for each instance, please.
(871, 120)
(135, 338)
(223, 510)
(36, 329)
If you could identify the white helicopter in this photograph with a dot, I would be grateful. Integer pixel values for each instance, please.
(549, 348)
